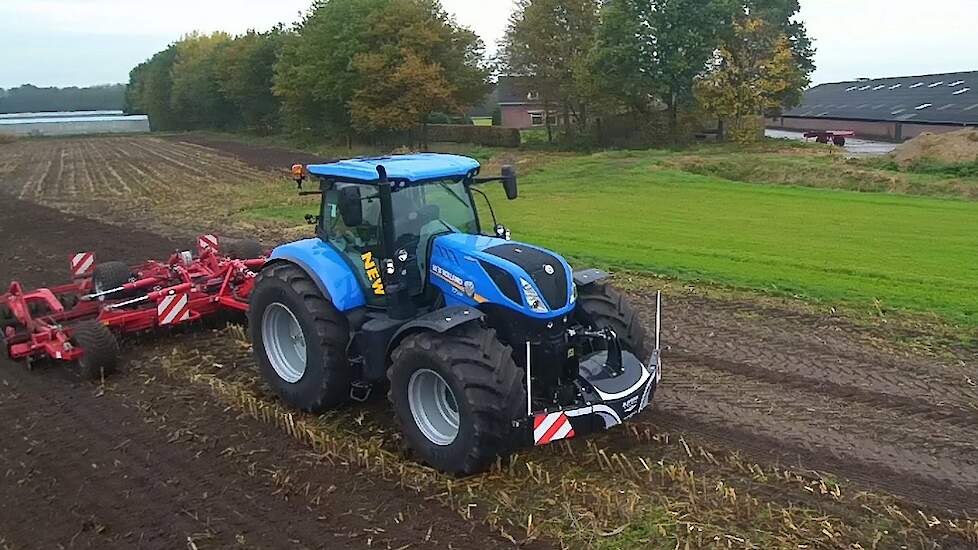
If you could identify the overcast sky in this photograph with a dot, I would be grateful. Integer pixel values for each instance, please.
(83, 42)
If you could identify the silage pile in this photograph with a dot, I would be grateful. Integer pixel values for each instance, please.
(957, 147)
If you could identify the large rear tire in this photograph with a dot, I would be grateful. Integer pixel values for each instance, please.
(604, 306)
(455, 396)
(101, 350)
(299, 339)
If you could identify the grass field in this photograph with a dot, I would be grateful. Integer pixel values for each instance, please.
(640, 211)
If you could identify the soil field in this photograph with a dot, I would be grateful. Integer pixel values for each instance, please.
(772, 427)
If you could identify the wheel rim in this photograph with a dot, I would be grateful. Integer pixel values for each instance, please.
(433, 406)
(285, 344)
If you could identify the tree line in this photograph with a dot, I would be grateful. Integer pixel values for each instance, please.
(367, 68)
(33, 99)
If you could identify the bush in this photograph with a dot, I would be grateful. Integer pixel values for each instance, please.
(489, 136)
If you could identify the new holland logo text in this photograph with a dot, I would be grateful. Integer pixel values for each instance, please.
(447, 275)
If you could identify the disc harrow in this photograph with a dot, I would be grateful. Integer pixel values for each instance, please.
(45, 323)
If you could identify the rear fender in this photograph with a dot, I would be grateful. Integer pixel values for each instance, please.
(327, 268)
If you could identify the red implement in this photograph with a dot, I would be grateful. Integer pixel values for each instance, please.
(42, 323)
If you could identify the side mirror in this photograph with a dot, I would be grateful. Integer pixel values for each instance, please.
(351, 206)
(509, 182)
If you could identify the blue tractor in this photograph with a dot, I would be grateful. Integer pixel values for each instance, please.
(485, 344)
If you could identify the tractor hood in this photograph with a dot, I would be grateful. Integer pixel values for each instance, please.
(474, 270)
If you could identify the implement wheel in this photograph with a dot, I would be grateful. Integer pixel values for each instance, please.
(241, 249)
(299, 339)
(604, 306)
(109, 275)
(455, 396)
(6, 318)
(101, 350)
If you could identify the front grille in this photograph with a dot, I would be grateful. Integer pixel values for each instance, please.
(535, 262)
(504, 281)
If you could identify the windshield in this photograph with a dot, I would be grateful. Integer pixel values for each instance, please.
(425, 211)
(444, 205)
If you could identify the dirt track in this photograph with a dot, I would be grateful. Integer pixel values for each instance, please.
(145, 463)
(811, 392)
(816, 392)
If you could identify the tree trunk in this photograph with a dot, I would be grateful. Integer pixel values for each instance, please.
(674, 119)
(546, 120)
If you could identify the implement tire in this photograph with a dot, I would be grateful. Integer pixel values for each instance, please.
(467, 367)
(7, 319)
(299, 339)
(604, 306)
(241, 249)
(109, 275)
(101, 350)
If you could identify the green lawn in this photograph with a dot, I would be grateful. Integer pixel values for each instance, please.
(617, 210)
(634, 211)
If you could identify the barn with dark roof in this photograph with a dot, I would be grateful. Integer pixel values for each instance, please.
(890, 108)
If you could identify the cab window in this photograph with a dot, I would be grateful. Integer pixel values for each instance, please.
(358, 240)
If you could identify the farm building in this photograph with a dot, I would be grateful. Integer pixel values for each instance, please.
(72, 123)
(894, 109)
(520, 106)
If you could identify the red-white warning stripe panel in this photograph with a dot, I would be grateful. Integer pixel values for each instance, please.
(548, 428)
(207, 242)
(174, 308)
(82, 264)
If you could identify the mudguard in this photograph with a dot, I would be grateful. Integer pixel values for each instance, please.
(327, 268)
(441, 321)
(586, 277)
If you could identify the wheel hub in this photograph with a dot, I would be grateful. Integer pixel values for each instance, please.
(433, 406)
(285, 343)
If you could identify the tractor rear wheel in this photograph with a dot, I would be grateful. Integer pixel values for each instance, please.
(299, 339)
(101, 350)
(455, 396)
(604, 306)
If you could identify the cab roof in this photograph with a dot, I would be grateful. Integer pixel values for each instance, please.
(412, 168)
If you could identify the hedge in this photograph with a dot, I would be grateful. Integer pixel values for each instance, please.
(489, 136)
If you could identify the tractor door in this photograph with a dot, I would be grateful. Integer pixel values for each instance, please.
(350, 221)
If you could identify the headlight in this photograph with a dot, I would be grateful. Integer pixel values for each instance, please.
(532, 298)
(573, 293)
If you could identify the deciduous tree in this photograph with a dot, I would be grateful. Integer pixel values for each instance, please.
(419, 62)
(755, 71)
(196, 97)
(245, 69)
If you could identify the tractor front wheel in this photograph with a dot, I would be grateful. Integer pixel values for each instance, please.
(299, 339)
(604, 306)
(455, 396)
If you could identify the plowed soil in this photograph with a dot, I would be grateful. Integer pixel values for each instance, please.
(152, 463)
